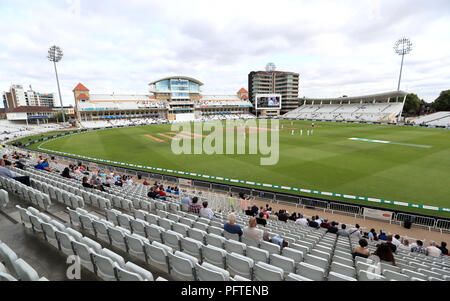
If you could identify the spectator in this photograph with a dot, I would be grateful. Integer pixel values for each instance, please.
(443, 248)
(6, 173)
(418, 247)
(384, 253)
(396, 240)
(362, 250)
(119, 182)
(5, 159)
(389, 243)
(145, 183)
(332, 228)
(231, 226)
(382, 236)
(325, 224)
(355, 232)
(318, 220)
(66, 173)
(433, 251)
(312, 223)
(194, 207)
(373, 235)
(249, 211)
(343, 232)
(301, 220)
(186, 200)
(254, 210)
(283, 216)
(405, 246)
(152, 193)
(86, 183)
(279, 241)
(252, 232)
(206, 212)
(293, 217)
(261, 220)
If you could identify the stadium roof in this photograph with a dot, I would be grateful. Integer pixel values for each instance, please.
(384, 95)
(83, 96)
(31, 109)
(180, 77)
(120, 97)
(242, 90)
(80, 87)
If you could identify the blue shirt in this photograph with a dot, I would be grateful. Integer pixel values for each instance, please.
(233, 229)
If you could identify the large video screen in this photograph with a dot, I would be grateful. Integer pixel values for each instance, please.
(268, 101)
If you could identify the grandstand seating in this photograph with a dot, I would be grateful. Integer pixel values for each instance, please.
(436, 119)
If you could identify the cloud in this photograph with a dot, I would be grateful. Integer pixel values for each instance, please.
(339, 47)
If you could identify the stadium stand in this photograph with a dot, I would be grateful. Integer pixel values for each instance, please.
(435, 119)
(119, 233)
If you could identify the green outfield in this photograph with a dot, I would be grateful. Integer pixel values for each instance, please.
(414, 168)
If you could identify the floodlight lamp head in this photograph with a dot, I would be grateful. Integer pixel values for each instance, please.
(403, 46)
(55, 54)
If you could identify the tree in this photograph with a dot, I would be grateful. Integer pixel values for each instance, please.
(412, 104)
(442, 103)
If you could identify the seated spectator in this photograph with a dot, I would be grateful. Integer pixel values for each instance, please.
(252, 232)
(301, 220)
(152, 193)
(206, 212)
(332, 228)
(312, 223)
(343, 232)
(318, 220)
(283, 216)
(86, 183)
(66, 173)
(405, 246)
(145, 183)
(194, 207)
(231, 226)
(325, 224)
(279, 241)
(161, 194)
(6, 173)
(260, 220)
(389, 243)
(186, 200)
(418, 247)
(5, 159)
(373, 235)
(384, 254)
(119, 182)
(249, 211)
(396, 240)
(443, 248)
(433, 251)
(254, 210)
(382, 236)
(362, 250)
(355, 232)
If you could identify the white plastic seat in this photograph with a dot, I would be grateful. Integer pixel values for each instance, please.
(74, 217)
(215, 240)
(343, 269)
(36, 223)
(334, 276)
(166, 223)
(342, 260)
(302, 248)
(214, 255)
(117, 237)
(240, 265)
(135, 245)
(123, 274)
(230, 236)
(124, 221)
(49, 233)
(85, 254)
(209, 272)
(172, 239)
(192, 247)
(414, 274)
(197, 234)
(267, 272)
(215, 230)
(294, 254)
(282, 262)
(430, 273)
(111, 216)
(391, 275)
(321, 254)
(25, 271)
(65, 242)
(183, 265)
(316, 261)
(200, 226)
(138, 227)
(133, 268)
(173, 217)
(6, 277)
(104, 266)
(157, 255)
(295, 277)
(233, 246)
(186, 221)
(257, 254)
(8, 257)
(24, 216)
(86, 224)
(310, 271)
(369, 276)
(180, 228)
(101, 229)
(154, 232)
(250, 242)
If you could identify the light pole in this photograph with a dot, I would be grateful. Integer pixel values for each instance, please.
(55, 54)
(402, 46)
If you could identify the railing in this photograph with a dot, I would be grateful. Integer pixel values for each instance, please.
(416, 220)
(443, 225)
(345, 208)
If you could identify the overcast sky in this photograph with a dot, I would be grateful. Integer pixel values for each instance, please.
(338, 47)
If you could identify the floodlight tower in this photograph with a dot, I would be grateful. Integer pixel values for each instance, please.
(402, 46)
(55, 54)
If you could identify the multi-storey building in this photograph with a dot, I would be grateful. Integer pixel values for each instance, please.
(17, 96)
